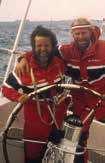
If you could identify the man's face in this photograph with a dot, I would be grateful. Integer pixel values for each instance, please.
(43, 49)
(82, 37)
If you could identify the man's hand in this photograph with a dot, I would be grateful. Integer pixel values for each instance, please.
(23, 98)
(22, 67)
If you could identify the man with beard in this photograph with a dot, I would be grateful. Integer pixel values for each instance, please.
(45, 69)
(85, 63)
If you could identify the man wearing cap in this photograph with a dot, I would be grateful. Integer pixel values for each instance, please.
(85, 63)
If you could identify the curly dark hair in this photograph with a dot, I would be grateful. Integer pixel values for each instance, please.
(42, 31)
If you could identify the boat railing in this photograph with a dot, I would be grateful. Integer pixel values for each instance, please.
(17, 40)
(13, 50)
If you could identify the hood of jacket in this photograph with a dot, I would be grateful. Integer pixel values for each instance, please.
(95, 33)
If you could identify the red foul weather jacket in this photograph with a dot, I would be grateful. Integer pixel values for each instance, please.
(34, 127)
(87, 69)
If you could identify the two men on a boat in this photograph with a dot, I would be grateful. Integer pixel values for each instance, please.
(85, 62)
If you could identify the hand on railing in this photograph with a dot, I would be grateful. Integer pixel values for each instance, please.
(23, 98)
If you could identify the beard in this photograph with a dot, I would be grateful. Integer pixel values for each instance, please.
(83, 45)
(43, 59)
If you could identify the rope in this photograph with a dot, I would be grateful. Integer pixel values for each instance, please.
(53, 117)
(51, 148)
(38, 104)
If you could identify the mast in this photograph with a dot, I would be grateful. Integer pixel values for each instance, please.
(11, 60)
(0, 2)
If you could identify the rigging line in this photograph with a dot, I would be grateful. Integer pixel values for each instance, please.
(37, 99)
(1, 1)
(53, 117)
(17, 39)
(10, 51)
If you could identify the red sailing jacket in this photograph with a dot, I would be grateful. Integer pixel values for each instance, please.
(34, 128)
(87, 69)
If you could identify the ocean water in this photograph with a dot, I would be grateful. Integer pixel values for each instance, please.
(8, 31)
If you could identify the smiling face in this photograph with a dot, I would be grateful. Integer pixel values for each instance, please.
(82, 37)
(43, 50)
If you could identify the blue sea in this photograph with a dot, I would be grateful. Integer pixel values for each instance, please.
(8, 31)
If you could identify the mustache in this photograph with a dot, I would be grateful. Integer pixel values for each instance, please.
(82, 45)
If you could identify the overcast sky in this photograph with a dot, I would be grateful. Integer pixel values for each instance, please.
(52, 9)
